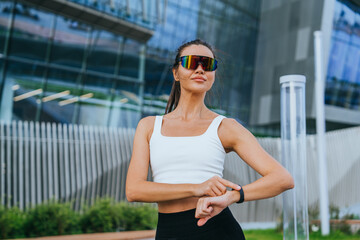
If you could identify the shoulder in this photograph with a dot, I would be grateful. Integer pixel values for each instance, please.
(231, 132)
(229, 124)
(146, 126)
(147, 121)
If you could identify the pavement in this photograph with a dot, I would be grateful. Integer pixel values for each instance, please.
(128, 235)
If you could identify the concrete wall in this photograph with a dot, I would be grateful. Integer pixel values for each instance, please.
(285, 46)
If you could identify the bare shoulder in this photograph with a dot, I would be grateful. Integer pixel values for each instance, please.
(146, 126)
(231, 132)
(147, 121)
(229, 125)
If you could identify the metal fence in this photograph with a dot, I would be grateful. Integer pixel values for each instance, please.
(343, 164)
(42, 161)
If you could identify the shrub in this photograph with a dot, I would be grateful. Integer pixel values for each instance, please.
(100, 217)
(106, 216)
(334, 211)
(350, 216)
(11, 222)
(137, 217)
(313, 212)
(51, 218)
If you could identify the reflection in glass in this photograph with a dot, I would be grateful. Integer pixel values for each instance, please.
(31, 32)
(24, 87)
(71, 39)
(95, 101)
(343, 75)
(103, 51)
(61, 86)
(5, 13)
(125, 108)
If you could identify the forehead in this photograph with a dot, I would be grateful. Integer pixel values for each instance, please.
(197, 50)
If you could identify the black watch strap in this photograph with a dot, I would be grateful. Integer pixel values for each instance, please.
(241, 195)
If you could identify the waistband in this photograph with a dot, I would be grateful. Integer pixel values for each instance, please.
(188, 217)
(178, 216)
(184, 223)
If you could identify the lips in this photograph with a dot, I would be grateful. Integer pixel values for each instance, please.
(200, 79)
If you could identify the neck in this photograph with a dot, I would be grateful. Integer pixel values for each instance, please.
(190, 106)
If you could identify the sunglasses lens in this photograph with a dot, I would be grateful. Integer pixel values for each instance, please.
(209, 64)
(192, 62)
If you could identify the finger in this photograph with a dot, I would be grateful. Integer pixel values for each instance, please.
(202, 221)
(221, 188)
(201, 213)
(212, 193)
(230, 184)
(205, 212)
(199, 207)
(217, 191)
(198, 210)
(203, 208)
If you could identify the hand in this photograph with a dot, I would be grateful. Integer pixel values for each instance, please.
(215, 186)
(208, 207)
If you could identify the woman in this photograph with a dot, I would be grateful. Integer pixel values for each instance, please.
(186, 149)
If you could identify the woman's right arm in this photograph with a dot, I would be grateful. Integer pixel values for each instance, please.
(138, 189)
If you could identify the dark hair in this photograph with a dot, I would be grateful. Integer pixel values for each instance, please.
(175, 90)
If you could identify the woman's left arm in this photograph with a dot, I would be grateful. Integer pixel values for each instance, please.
(275, 178)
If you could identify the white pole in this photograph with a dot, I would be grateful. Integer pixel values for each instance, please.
(320, 130)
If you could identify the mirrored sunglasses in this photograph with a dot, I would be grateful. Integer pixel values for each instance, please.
(193, 61)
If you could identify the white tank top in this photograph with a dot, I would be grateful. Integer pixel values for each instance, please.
(192, 159)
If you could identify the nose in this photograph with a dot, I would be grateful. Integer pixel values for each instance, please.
(200, 68)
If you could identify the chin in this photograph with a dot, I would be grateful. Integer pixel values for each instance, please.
(198, 90)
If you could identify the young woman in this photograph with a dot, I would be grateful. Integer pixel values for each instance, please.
(186, 149)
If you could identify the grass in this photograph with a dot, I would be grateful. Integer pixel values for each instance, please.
(271, 234)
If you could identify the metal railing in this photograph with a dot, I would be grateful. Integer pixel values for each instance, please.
(343, 162)
(42, 161)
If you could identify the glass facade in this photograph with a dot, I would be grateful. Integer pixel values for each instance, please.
(57, 69)
(231, 27)
(343, 75)
(140, 12)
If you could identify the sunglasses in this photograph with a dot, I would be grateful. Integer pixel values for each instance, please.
(193, 61)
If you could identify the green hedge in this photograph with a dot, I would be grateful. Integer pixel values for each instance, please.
(51, 218)
(11, 222)
(54, 218)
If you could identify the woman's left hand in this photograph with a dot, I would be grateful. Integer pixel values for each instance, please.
(208, 207)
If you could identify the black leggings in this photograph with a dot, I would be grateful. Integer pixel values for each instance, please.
(183, 226)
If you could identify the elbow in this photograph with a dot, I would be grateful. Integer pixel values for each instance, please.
(130, 198)
(284, 181)
(288, 182)
(135, 192)
(130, 194)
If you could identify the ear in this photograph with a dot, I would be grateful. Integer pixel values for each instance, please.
(176, 78)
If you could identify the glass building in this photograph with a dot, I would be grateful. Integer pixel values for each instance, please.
(343, 76)
(108, 63)
(286, 46)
